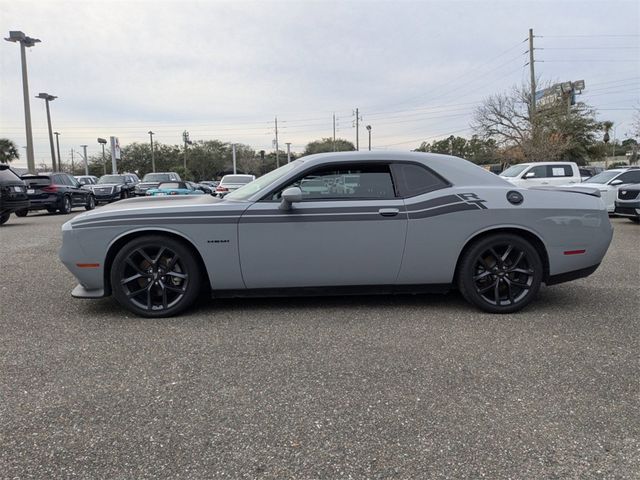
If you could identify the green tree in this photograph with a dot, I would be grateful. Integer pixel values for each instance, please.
(8, 151)
(325, 145)
(475, 149)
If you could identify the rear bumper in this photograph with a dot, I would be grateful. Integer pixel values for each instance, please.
(573, 275)
(10, 206)
(40, 203)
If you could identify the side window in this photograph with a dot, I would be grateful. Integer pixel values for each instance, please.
(560, 171)
(412, 179)
(537, 172)
(349, 182)
(630, 177)
(58, 180)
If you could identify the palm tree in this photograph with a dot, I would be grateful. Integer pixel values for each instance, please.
(8, 151)
(607, 125)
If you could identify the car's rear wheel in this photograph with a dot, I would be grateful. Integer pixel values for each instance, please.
(4, 217)
(65, 206)
(91, 203)
(22, 213)
(500, 273)
(155, 276)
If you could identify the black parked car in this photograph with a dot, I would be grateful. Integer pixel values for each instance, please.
(13, 193)
(56, 192)
(115, 187)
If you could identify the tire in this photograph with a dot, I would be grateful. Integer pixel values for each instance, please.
(124, 195)
(635, 220)
(141, 272)
(91, 203)
(500, 273)
(22, 213)
(65, 205)
(52, 209)
(4, 217)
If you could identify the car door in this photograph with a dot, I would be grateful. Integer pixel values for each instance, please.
(560, 174)
(78, 194)
(535, 176)
(335, 236)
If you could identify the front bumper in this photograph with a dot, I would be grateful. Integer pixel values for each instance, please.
(628, 209)
(82, 292)
(105, 198)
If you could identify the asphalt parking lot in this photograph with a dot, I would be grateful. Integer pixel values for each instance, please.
(339, 387)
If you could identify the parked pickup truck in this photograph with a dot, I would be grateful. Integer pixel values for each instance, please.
(542, 174)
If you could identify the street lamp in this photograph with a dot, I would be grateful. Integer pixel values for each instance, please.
(57, 134)
(20, 37)
(153, 157)
(369, 130)
(103, 142)
(49, 98)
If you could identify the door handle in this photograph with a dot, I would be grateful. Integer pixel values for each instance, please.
(388, 212)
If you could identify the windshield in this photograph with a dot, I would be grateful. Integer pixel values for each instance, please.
(111, 179)
(172, 185)
(236, 179)
(156, 177)
(603, 177)
(263, 182)
(513, 171)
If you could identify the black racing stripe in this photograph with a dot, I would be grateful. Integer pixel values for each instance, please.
(287, 218)
(458, 207)
(83, 221)
(319, 210)
(435, 202)
(153, 221)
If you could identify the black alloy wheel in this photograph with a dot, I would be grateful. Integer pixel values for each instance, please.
(155, 276)
(4, 217)
(65, 206)
(124, 195)
(501, 273)
(22, 213)
(91, 203)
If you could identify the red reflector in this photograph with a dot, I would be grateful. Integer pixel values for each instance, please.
(221, 189)
(574, 252)
(87, 265)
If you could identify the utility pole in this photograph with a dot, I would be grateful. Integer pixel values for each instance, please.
(533, 75)
(277, 150)
(103, 142)
(357, 129)
(334, 132)
(153, 155)
(57, 134)
(20, 37)
(369, 131)
(233, 154)
(86, 163)
(185, 138)
(288, 152)
(73, 167)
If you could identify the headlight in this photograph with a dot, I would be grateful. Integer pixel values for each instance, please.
(118, 188)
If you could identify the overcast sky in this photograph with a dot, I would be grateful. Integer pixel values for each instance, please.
(224, 70)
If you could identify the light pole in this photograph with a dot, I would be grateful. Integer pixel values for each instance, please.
(369, 131)
(233, 157)
(49, 98)
(153, 156)
(288, 152)
(57, 134)
(20, 37)
(86, 163)
(103, 142)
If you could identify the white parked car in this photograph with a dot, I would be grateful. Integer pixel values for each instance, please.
(539, 174)
(230, 183)
(609, 181)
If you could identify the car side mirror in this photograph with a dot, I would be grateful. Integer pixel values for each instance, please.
(528, 175)
(289, 196)
(616, 182)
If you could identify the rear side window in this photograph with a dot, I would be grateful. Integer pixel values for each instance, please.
(412, 179)
(7, 175)
(559, 171)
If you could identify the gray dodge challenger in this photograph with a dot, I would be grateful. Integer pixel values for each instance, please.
(342, 223)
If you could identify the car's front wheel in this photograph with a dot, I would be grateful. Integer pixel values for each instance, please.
(500, 273)
(155, 276)
(22, 213)
(91, 203)
(4, 217)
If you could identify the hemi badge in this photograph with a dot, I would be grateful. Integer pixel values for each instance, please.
(574, 252)
(87, 265)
